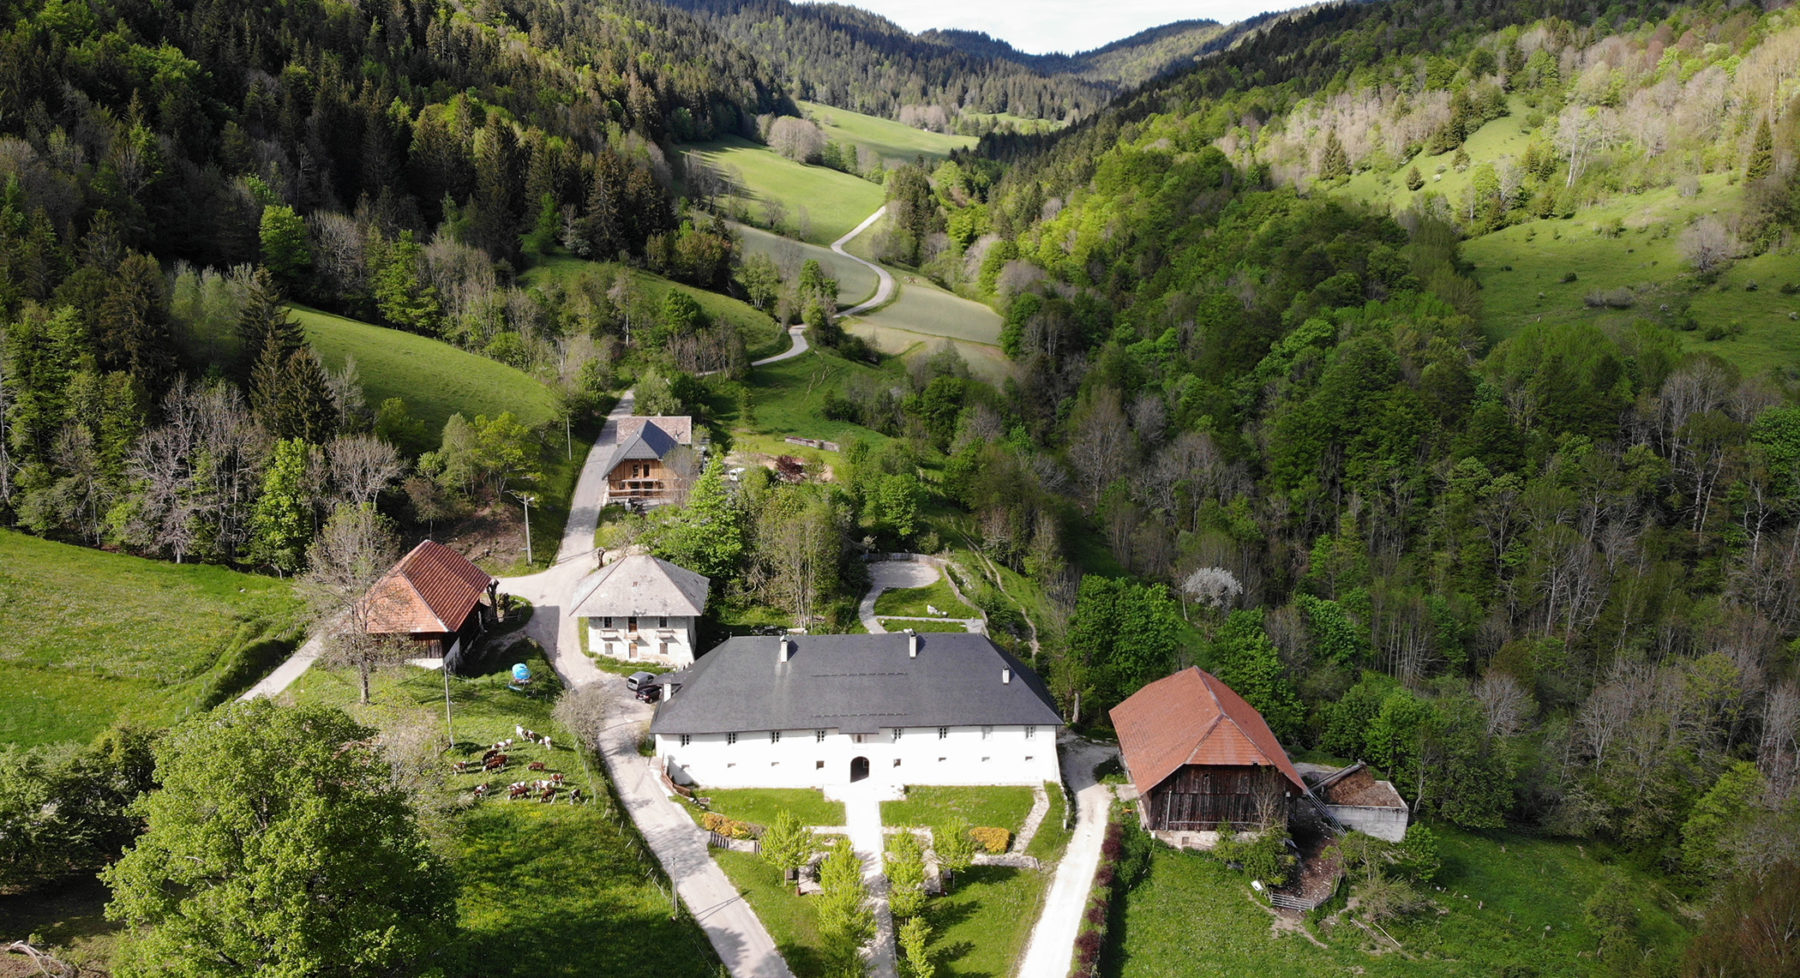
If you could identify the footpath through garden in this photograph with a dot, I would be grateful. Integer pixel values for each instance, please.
(1052, 946)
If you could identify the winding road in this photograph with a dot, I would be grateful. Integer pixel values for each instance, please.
(884, 283)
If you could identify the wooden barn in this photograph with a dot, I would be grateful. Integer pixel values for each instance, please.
(435, 597)
(1202, 758)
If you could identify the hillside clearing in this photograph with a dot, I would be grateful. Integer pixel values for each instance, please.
(856, 283)
(93, 637)
(434, 378)
(828, 202)
(894, 142)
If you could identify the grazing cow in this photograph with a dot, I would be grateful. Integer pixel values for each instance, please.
(490, 753)
(518, 731)
(556, 779)
(549, 795)
(516, 792)
(535, 766)
(546, 742)
(575, 796)
(461, 767)
(495, 763)
(481, 790)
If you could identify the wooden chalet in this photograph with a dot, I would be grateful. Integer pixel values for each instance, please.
(434, 597)
(1202, 758)
(635, 466)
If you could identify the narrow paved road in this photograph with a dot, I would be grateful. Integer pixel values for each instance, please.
(884, 288)
(1052, 946)
(736, 933)
(797, 334)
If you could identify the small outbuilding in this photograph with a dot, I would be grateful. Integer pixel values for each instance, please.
(641, 607)
(434, 597)
(1202, 758)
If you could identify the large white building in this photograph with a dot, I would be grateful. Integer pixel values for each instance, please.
(808, 711)
(641, 608)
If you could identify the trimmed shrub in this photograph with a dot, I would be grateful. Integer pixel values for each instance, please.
(991, 839)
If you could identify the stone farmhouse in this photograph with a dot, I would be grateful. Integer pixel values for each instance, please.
(641, 607)
(812, 711)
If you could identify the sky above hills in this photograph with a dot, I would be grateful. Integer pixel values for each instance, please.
(1069, 26)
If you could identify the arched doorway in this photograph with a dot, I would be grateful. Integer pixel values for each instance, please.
(859, 768)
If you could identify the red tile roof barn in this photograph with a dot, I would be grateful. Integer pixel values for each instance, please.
(1193, 718)
(431, 590)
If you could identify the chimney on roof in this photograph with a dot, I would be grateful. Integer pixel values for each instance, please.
(782, 644)
(1005, 675)
(912, 644)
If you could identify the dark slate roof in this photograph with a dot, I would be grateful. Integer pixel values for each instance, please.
(854, 684)
(649, 440)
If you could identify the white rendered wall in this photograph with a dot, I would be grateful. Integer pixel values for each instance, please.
(1005, 755)
(681, 647)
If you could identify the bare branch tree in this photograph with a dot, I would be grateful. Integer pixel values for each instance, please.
(351, 553)
(362, 466)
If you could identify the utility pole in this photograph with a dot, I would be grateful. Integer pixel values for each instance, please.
(527, 499)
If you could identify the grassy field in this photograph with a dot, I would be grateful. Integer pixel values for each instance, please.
(1770, 320)
(434, 378)
(901, 624)
(1509, 904)
(761, 805)
(792, 920)
(1495, 140)
(896, 143)
(913, 601)
(788, 398)
(92, 637)
(545, 889)
(856, 283)
(934, 805)
(834, 202)
(761, 336)
(979, 929)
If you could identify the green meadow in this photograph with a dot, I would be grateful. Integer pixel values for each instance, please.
(94, 637)
(434, 378)
(856, 282)
(894, 142)
(831, 202)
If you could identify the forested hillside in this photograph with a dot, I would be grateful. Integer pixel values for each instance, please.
(397, 164)
(853, 59)
(1548, 575)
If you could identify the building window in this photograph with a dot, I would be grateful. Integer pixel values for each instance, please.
(686, 739)
(942, 760)
(774, 736)
(606, 622)
(818, 736)
(662, 622)
(896, 762)
(731, 738)
(986, 733)
(1030, 731)
(859, 738)
(818, 765)
(1028, 758)
(943, 733)
(896, 735)
(984, 760)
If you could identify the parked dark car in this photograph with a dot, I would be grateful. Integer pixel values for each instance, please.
(650, 693)
(638, 680)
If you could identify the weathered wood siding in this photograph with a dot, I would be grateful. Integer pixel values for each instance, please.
(1199, 798)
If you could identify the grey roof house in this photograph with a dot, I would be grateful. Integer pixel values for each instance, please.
(813, 710)
(641, 607)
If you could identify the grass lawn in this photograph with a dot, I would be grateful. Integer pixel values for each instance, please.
(923, 307)
(92, 637)
(1771, 339)
(792, 920)
(933, 805)
(434, 378)
(856, 283)
(914, 601)
(761, 805)
(544, 889)
(896, 143)
(979, 929)
(833, 202)
(901, 624)
(1510, 904)
(1052, 838)
(761, 336)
